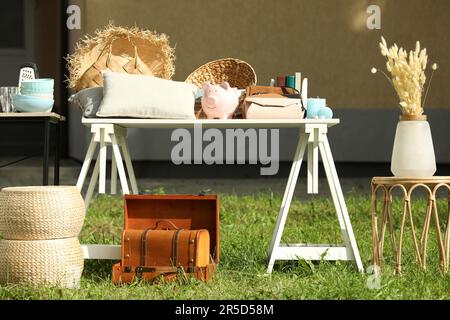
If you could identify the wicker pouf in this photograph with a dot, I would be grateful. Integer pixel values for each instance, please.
(42, 262)
(41, 213)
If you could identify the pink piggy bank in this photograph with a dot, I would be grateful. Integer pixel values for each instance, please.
(219, 101)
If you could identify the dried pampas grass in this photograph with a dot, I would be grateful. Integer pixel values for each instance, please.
(153, 50)
(407, 75)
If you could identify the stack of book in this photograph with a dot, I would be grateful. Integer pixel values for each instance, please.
(290, 81)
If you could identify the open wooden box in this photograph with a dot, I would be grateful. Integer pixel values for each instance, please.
(189, 212)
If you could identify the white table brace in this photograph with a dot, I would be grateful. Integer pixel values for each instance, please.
(313, 139)
(105, 135)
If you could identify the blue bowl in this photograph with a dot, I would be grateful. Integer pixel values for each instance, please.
(38, 86)
(25, 103)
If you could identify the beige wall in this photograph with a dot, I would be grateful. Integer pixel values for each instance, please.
(325, 39)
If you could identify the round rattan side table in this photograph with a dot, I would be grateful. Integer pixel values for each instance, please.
(386, 186)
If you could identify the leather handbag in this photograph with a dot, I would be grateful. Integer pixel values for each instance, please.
(164, 250)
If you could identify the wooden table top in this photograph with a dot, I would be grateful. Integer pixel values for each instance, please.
(18, 115)
(410, 180)
(209, 123)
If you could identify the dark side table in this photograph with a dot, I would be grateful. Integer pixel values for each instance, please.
(47, 119)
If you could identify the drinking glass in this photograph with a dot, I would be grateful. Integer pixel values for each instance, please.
(6, 98)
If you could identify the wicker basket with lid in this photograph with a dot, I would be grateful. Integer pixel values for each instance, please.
(237, 73)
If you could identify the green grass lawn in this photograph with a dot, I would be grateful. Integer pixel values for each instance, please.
(246, 228)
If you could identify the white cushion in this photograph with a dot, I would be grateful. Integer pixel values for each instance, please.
(140, 96)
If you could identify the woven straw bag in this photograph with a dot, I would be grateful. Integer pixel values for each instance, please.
(43, 262)
(238, 73)
(127, 50)
(41, 213)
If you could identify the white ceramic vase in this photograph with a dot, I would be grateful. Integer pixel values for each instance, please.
(413, 152)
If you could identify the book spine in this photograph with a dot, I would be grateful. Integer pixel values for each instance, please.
(298, 81)
(290, 81)
(281, 81)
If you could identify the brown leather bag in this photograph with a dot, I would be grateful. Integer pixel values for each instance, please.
(187, 212)
(169, 252)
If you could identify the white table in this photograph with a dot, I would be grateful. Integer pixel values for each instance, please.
(312, 138)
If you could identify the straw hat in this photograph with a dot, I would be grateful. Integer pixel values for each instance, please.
(126, 50)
